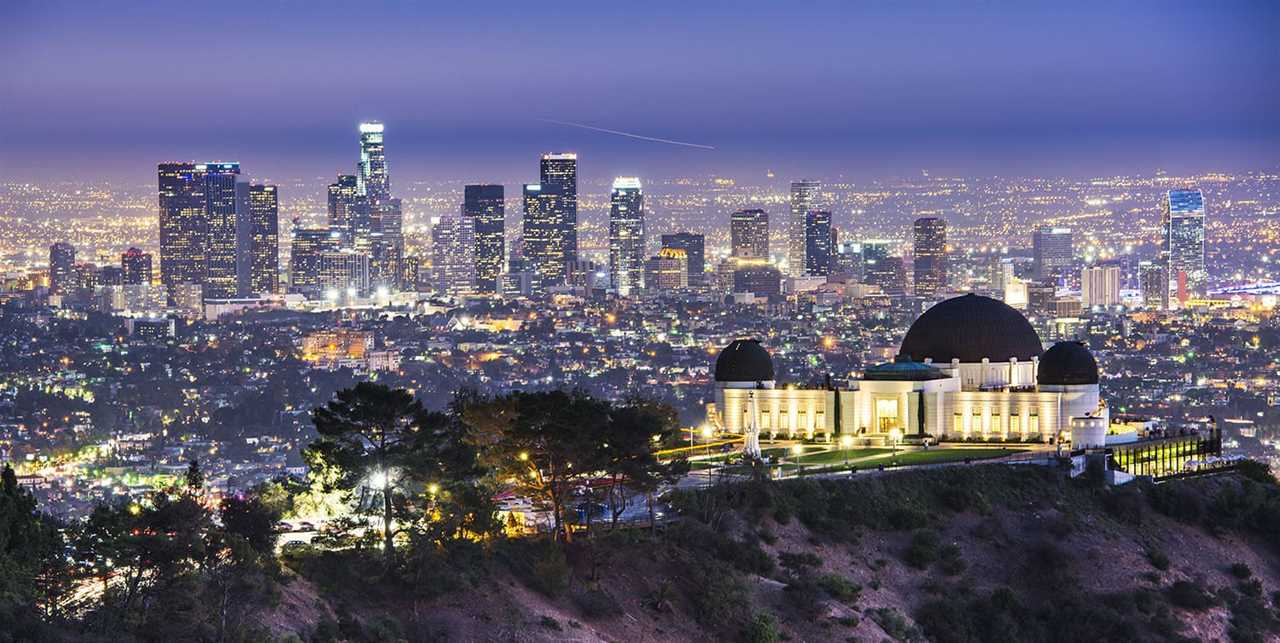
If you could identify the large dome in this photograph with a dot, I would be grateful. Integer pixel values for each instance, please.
(745, 360)
(970, 328)
(1067, 363)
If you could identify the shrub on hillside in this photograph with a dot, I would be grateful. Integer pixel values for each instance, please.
(595, 603)
(1256, 471)
(951, 560)
(923, 549)
(1189, 595)
(840, 588)
(539, 564)
(1158, 559)
(1240, 570)
(762, 629)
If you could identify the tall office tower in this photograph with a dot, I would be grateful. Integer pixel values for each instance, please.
(184, 226)
(344, 273)
(930, 256)
(485, 206)
(410, 269)
(62, 263)
(1053, 253)
(693, 246)
(1151, 281)
(1182, 249)
(453, 262)
(1100, 286)
(136, 266)
(374, 181)
(346, 206)
(304, 260)
(819, 241)
(264, 239)
(543, 243)
(223, 208)
(626, 236)
(558, 175)
(889, 273)
(804, 197)
(874, 253)
(749, 234)
(667, 271)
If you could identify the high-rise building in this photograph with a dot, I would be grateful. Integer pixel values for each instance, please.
(62, 263)
(558, 176)
(626, 237)
(344, 272)
(1182, 247)
(136, 266)
(1054, 254)
(226, 202)
(485, 206)
(374, 181)
(304, 261)
(759, 279)
(693, 246)
(804, 197)
(930, 257)
(347, 206)
(819, 241)
(889, 273)
(1152, 281)
(264, 241)
(666, 272)
(543, 244)
(453, 262)
(184, 226)
(749, 234)
(1100, 286)
(874, 252)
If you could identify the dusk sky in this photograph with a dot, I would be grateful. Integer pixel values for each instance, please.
(107, 89)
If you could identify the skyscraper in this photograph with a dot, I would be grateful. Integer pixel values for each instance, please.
(485, 207)
(666, 272)
(1152, 280)
(62, 263)
(309, 244)
(453, 262)
(264, 243)
(1182, 247)
(930, 256)
(543, 243)
(374, 180)
(346, 206)
(693, 247)
(1053, 253)
(184, 226)
(626, 236)
(136, 266)
(818, 241)
(558, 176)
(804, 195)
(749, 234)
(225, 231)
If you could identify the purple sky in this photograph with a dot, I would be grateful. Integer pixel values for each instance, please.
(107, 89)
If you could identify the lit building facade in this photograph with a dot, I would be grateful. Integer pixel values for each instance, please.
(667, 272)
(929, 255)
(1182, 247)
(136, 267)
(453, 256)
(626, 237)
(264, 239)
(62, 263)
(1053, 250)
(804, 199)
(1100, 286)
(558, 176)
(485, 206)
(694, 247)
(819, 241)
(749, 234)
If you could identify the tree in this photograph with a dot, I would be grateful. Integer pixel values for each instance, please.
(630, 464)
(381, 440)
(34, 576)
(195, 477)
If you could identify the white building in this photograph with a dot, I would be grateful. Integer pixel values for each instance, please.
(970, 368)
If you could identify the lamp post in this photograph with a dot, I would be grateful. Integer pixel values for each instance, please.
(798, 450)
(894, 434)
(846, 441)
(707, 434)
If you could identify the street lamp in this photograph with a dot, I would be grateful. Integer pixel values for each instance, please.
(846, 441)
(707, 434)
(798, 450)
(894, 435)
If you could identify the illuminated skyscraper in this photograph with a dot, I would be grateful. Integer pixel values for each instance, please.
(304, 260)
(626, 236)
(1182, 248)
(930, 257)
(136, 266)
(374, 181)
(453, 264)
(344, 273)
(804, 197)
(543, 243)
(1100, 286)
(346, 206)
(693, 246)
(749, 234)
(225, 232)
(818, 242)
(62, 263)
(1152, 279)
(558, 176)
(184, 226)
(264, 242)
(485, 207)
(666, 272)
(1054, 253)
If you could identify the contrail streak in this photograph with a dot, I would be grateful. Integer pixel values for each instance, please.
(628, 134)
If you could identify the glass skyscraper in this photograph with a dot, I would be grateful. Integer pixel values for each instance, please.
(1182, 247)
(485, 207)
(136, 267)
(225, 205)
(749, 234)
(818, 243)
(804, 196)
(930, 256)
(264, 242)
(1054, 254)
(558, 176)
(543, 242)
(626, 236)
(373, 179)
(184, 226)
(62, 264)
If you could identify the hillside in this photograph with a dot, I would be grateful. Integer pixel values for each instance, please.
(961, 554)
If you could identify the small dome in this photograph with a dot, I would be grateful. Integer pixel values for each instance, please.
(970, 328)
(1067, 363)
(744, 360)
